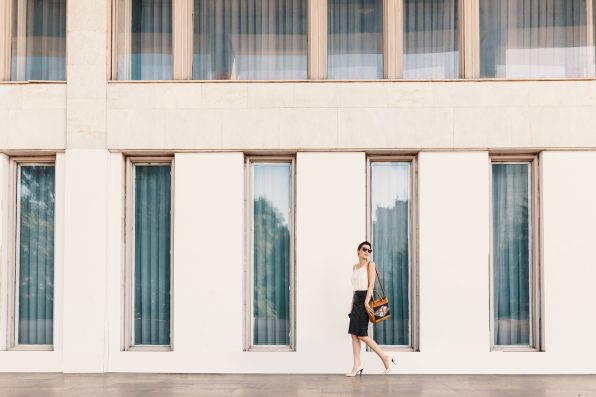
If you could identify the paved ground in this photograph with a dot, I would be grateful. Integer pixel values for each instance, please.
(149, 385)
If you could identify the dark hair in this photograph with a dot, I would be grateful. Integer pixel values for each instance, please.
(364, 243)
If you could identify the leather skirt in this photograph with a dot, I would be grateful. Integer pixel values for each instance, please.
(358, 315)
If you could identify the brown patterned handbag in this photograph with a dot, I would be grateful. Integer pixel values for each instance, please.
(380, 305)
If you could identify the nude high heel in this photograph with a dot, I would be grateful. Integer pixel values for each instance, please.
(357, 372)
(390, 367)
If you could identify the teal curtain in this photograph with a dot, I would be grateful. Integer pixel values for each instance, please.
(45, 41)
(152, 255)
(271, 223)
(391, 200)
(36, 255)
(511, 254)
(534, 39)
(431, 39)
(151, 45)
(250, 40)
(355, 39)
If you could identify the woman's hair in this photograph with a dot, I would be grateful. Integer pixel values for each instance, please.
(364, 243)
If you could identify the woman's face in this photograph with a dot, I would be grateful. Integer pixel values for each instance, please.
(364, 252)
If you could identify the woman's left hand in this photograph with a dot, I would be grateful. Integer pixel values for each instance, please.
(369, 309)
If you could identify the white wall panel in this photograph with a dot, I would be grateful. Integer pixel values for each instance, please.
(569, 189)
(33, 116)
(85, 260)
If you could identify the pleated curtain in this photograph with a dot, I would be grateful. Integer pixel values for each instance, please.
(534, 38)
(250, 40)
(431, 39)
(152, 214)
(355, 39)
(44, 54)
(511, 254)
(36, 255)
(151, 40)
(391, 200)
(271, 253)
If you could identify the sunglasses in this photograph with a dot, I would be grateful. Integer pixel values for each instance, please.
(367, 250)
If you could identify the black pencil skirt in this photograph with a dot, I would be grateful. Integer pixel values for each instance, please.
(358, 315)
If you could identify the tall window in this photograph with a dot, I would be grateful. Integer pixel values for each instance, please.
(250, 40)
(144, 39)
(534, 38)
(271, 254)
(391, 231)
(34, 275)
(38, 40)
(150, 273)
(431, 39)
(514, 278)
(355, 40)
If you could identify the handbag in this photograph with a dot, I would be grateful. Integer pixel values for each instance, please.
(380, 305)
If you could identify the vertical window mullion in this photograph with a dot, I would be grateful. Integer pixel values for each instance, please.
(317, 39)
(469, 26)
(5, 39)
(182, 38)
(393, 32)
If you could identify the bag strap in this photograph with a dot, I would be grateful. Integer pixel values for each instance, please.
(379, 279)
(380, 283)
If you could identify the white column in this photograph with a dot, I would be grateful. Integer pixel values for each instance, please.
(454, 248)
(331, 222)
(208, 255)
(569, 216)
(85, 260)
(87, 73)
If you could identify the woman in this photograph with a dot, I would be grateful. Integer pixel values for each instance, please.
(363, 283)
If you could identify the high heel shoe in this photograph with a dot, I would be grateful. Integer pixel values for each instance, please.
(357, 372)
(390, 367)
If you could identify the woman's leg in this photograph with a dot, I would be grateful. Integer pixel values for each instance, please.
(356, 347)
(373, 345)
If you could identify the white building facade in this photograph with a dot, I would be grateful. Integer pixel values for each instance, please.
(184, 183)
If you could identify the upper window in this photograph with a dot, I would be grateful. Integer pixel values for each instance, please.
(33, 304)
(535, 39)
(144, 40)
(390, 227)
(431, 39)
(250, 40)
(38, 50)
(355, 39)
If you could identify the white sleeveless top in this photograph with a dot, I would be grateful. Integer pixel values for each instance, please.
(360, 279)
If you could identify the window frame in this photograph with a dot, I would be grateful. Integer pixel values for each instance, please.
(13, 254)
(127, 343)
(249, 346)
(536, 301)
(414, 281)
